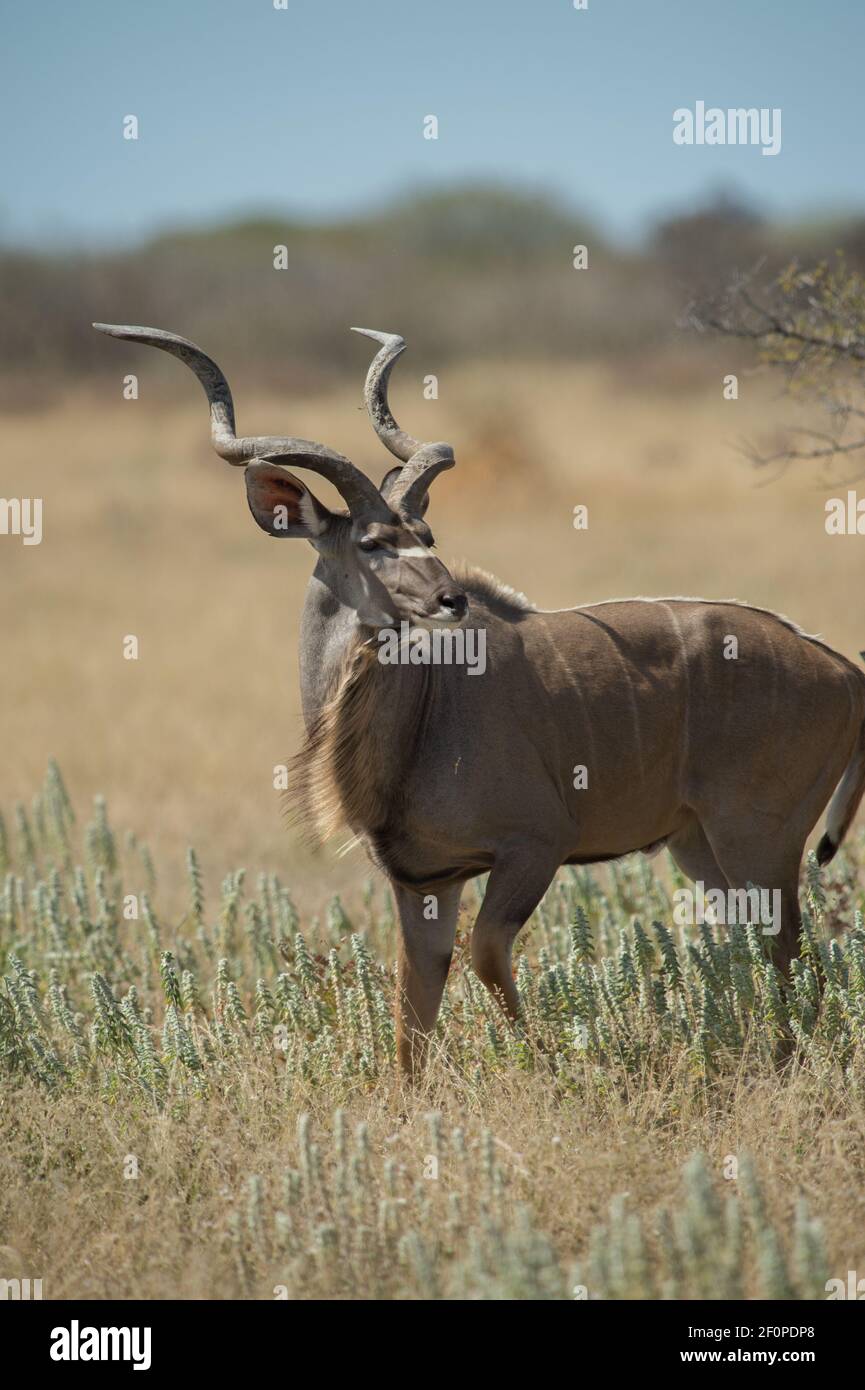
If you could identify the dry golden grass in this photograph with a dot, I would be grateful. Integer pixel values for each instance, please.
(75, 1220)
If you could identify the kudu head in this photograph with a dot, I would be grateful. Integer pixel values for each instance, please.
(377, 557)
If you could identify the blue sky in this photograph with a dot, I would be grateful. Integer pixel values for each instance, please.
(318, 109)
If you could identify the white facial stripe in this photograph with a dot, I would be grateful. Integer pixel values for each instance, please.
(402, 552)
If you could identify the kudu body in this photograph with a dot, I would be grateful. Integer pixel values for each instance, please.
(725, 753)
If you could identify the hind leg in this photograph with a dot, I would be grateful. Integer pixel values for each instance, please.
(774, 870)
(692, 852)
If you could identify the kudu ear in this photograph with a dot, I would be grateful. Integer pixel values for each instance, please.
(283, 505)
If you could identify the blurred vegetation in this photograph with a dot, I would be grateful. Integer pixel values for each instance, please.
(470, 272)
(806, 323)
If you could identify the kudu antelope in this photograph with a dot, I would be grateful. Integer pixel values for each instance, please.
(727, 762)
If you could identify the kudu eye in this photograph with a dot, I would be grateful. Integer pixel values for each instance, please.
(368, 543)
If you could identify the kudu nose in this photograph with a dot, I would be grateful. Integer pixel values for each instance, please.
(455, 602)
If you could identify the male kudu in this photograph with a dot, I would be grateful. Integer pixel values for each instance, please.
(728, 762)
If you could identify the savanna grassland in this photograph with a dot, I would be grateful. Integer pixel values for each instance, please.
(200, 1100)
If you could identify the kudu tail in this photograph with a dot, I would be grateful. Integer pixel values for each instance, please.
(845, 803)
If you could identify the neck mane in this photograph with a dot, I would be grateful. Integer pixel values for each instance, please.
(352, 768)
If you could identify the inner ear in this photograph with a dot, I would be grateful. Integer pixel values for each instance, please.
(283, 505)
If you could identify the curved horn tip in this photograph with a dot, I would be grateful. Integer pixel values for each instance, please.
(132, 330)
(445, 452)
(386, 339)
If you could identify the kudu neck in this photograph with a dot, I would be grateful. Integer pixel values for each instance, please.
(330, 632)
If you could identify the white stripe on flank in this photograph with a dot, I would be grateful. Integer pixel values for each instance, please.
(686, 674)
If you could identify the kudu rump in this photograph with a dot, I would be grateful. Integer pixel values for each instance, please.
(444, 773)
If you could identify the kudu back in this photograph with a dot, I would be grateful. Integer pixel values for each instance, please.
(444, 773)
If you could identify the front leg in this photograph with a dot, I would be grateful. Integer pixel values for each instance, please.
(519, 878)
(426, 945)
